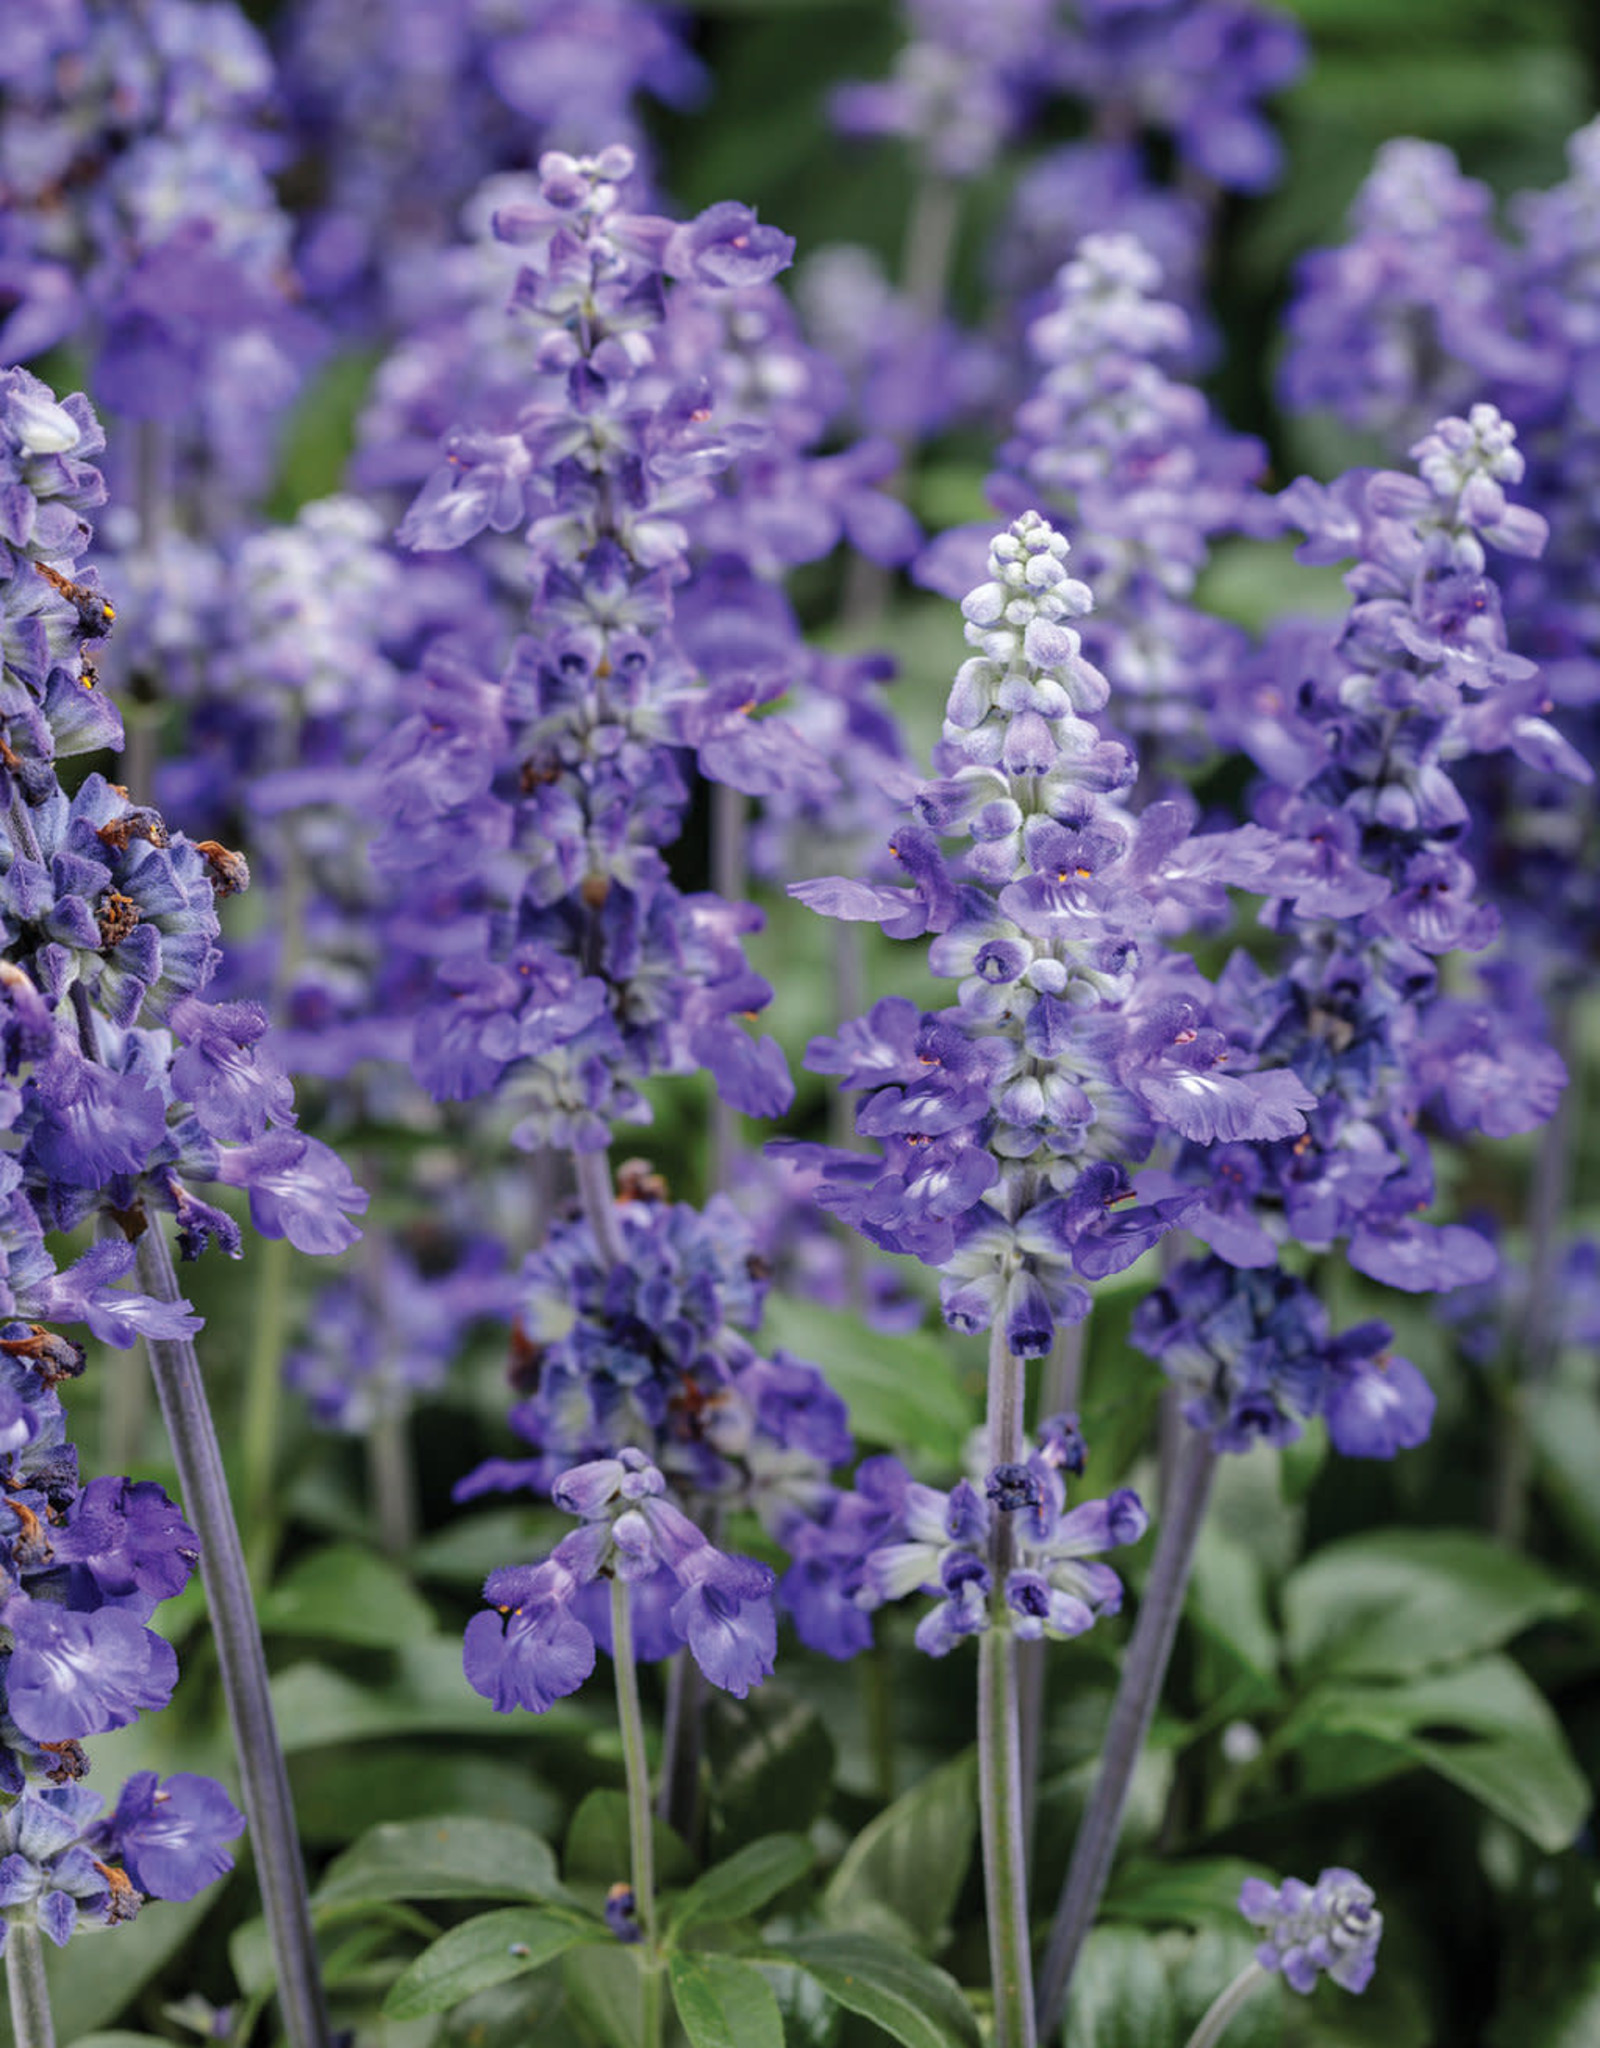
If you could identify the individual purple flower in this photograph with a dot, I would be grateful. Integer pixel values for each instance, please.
(536, 1646)
(940, 1544)
(170, 1833)
(1332, 1927)
(72, 1674)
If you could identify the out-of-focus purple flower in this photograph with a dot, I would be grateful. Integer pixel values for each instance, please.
(1331, 1927)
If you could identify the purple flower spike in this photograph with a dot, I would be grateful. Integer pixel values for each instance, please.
(1333, 1927)
(539, 1644)
(911, 1538)
(1008, 1123)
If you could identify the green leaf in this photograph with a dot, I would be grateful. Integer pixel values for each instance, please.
(1172, 1894)
(85, 1999)
(350, 1595)
(724, 2004)
(467, 1551)
(605, 1984)
(1483, 1726)
(746, 1882)
(340, 1793)
(903, 1392)
(907, 1996)
(1119, 1996)
(515, 2014)
(599, 1848)
(425, 1693)
(1567, 2018)
(1212, 1960)
(459, 1858)
(1229, 1601)
(1400, 1601)
(771, 1761)
(488, 1950)
(1566, 1434)
(912, 1859)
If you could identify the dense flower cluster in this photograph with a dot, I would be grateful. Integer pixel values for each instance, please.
(122, 1088)
(653, 1352)
(539, 1643)
(406, 107)
(1371, 888)
(1435, 305)
(1009, 1122)
(1331, 1927)
(939, 1543)
(594, 970)
(1132, 464)
(141, 217)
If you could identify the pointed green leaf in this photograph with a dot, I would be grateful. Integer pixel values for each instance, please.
(903, 1392)
(749, 1879)
(443, 1859)
(1483, 1726)
(724, 2003)
(912, 1859)
(606, 1985)
(1403, 1601)
(907, 1996)
(1177, 1894)
(1119, 1996)
(488, 1950)
(599, 1847)
(771, 1759)
(424, 1692)
(346, 1593)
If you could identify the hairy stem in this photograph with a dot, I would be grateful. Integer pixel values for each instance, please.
(1058, 1393)
(390, 1478)
(1215, 2020)
(1143, 1669)
(682, 1740)
(31, 2023)
(263, 1775)
(641, 1841)
(1005, 1881)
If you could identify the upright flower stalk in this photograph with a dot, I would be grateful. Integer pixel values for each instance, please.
(1008, 1123)
(241, 1659)
(1000, 1789)
(129, 1090)
(1144, 1667)
(1370, 891)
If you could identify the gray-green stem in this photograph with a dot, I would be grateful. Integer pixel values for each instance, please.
(241, 1659)
(1219, 2014)
(1058, 1393)
(641, 1840)
(1143, 1670)
(31, 2023)
(1005, 1880)
(391, 1482)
